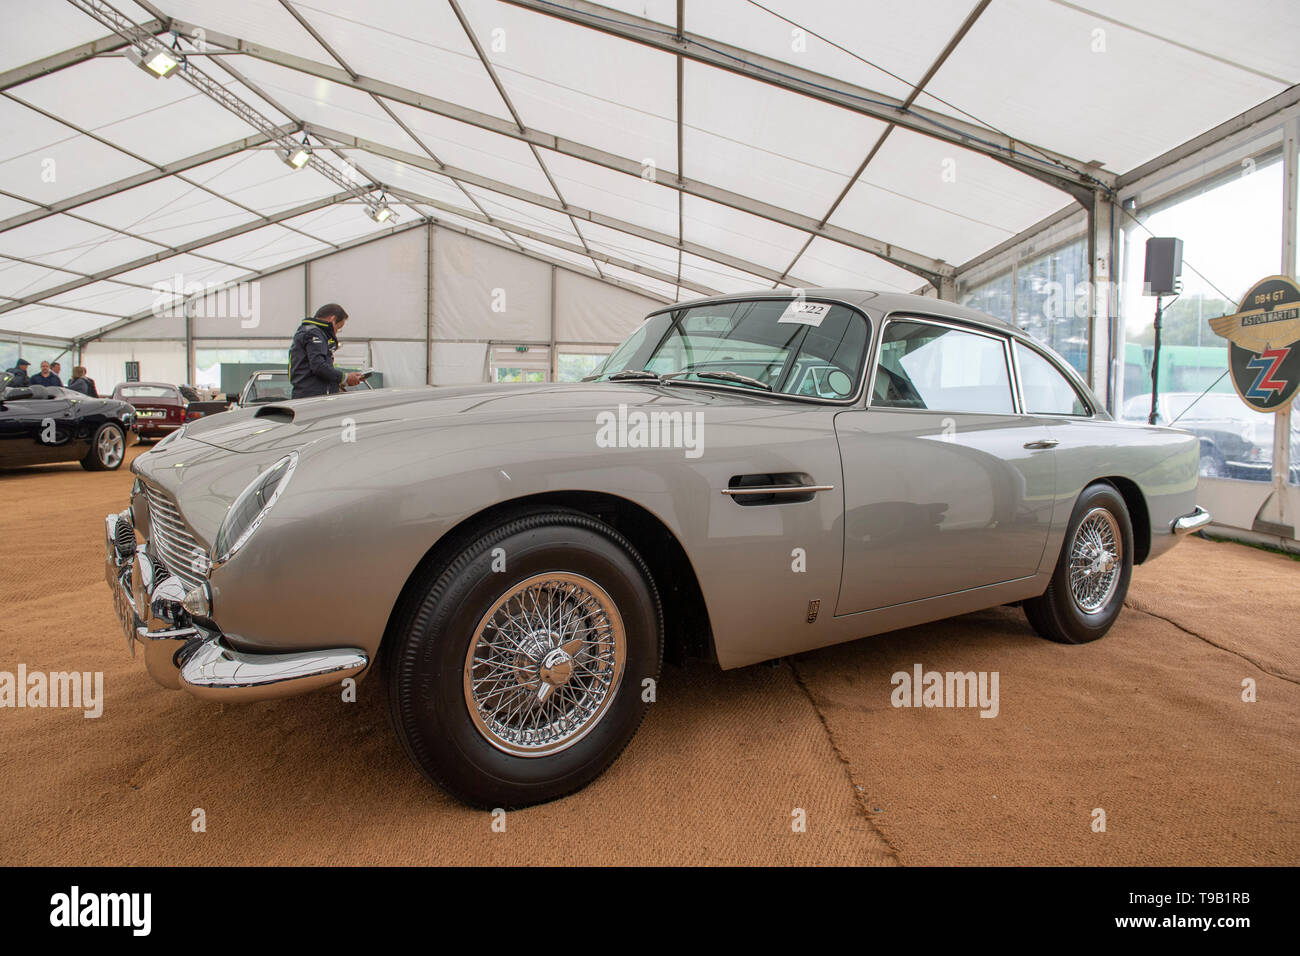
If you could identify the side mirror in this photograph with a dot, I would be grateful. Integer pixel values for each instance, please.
(17, 394)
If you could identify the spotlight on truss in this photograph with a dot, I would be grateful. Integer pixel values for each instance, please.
(154, 59)
(297, 157)
(380, 213)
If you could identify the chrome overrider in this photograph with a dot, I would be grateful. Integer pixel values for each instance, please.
(1195, 521)
(184, 649)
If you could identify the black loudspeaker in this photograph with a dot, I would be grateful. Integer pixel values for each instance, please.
(1164, 266)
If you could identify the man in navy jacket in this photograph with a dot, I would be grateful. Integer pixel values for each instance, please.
(311, 355)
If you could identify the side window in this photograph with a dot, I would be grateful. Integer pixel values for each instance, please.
(942, 369)
(1043, 388)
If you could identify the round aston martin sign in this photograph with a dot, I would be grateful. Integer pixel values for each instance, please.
(1264, 344)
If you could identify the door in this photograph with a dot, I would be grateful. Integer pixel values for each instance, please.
(946, 485)
(38, 429)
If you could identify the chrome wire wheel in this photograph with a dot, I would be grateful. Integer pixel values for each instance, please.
(1096, 559)
(545, 664)
(110, 447)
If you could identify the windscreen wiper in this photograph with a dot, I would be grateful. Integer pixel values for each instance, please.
(634, 375)
(723, 376)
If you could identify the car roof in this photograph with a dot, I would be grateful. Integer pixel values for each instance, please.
(867, 300)
(145, 385)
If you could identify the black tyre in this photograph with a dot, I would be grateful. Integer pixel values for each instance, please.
(1092, 574)
(107, 449)
(515, 674)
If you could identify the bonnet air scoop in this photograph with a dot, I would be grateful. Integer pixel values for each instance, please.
(280, 413)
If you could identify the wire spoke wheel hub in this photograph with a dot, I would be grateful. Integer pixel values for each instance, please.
(1095, 557)
(545, 664)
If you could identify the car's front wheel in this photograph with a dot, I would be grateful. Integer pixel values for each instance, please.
(107, 449)
(517, 672)
(1091, 579)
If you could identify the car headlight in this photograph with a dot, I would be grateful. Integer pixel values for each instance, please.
(251, 507)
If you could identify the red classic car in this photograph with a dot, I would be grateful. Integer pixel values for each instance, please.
(159, 408)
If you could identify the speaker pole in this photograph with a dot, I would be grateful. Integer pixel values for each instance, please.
(1155, 370)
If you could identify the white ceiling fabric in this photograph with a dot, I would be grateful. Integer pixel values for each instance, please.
(450, 110)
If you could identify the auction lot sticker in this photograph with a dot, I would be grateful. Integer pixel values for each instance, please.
(800, 312)
(1264, 344)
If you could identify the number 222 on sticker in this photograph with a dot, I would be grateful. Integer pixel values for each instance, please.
(805, 313)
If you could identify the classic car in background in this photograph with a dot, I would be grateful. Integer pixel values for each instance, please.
(203, 400)
(40, 424)
(159, 408)
(1236, 442)
(747, 477)
(273, 385)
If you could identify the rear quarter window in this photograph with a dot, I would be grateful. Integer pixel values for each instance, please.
(1044, 390)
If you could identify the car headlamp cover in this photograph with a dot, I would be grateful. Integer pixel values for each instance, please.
(170, 436)
(251, 507)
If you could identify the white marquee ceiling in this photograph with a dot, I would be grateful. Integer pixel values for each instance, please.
(755, 143)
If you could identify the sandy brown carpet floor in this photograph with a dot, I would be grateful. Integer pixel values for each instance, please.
(1147, 725)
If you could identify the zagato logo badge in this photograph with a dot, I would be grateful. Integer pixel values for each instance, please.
(1262, 338)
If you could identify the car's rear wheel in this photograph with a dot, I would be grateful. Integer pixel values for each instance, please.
(107, 449)
(1091, 578)
(516, 672)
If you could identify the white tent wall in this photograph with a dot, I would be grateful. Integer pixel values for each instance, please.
(273, 305)
(402, 363)
(382, 285)
(458, 363)
(106, 362)
(482, 293)
(587, 310)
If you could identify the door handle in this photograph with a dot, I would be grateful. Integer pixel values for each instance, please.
(1042, 443)
(777, 490)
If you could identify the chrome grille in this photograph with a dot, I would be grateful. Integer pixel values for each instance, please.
(171, 540)
(125, 538)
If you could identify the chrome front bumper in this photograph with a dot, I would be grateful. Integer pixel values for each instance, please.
(183, 654)
(1195, 521)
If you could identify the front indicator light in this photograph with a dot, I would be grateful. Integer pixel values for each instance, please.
(198, 601)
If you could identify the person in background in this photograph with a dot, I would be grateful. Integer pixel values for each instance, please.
(19, 372)
(57, 370)
(311, 355)
(81, 383)
(45, 376)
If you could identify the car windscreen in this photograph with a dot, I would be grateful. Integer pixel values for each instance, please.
(788, 346)
(129, 392)
(268, 388)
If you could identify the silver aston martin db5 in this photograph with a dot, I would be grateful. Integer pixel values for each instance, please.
(745, 477)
